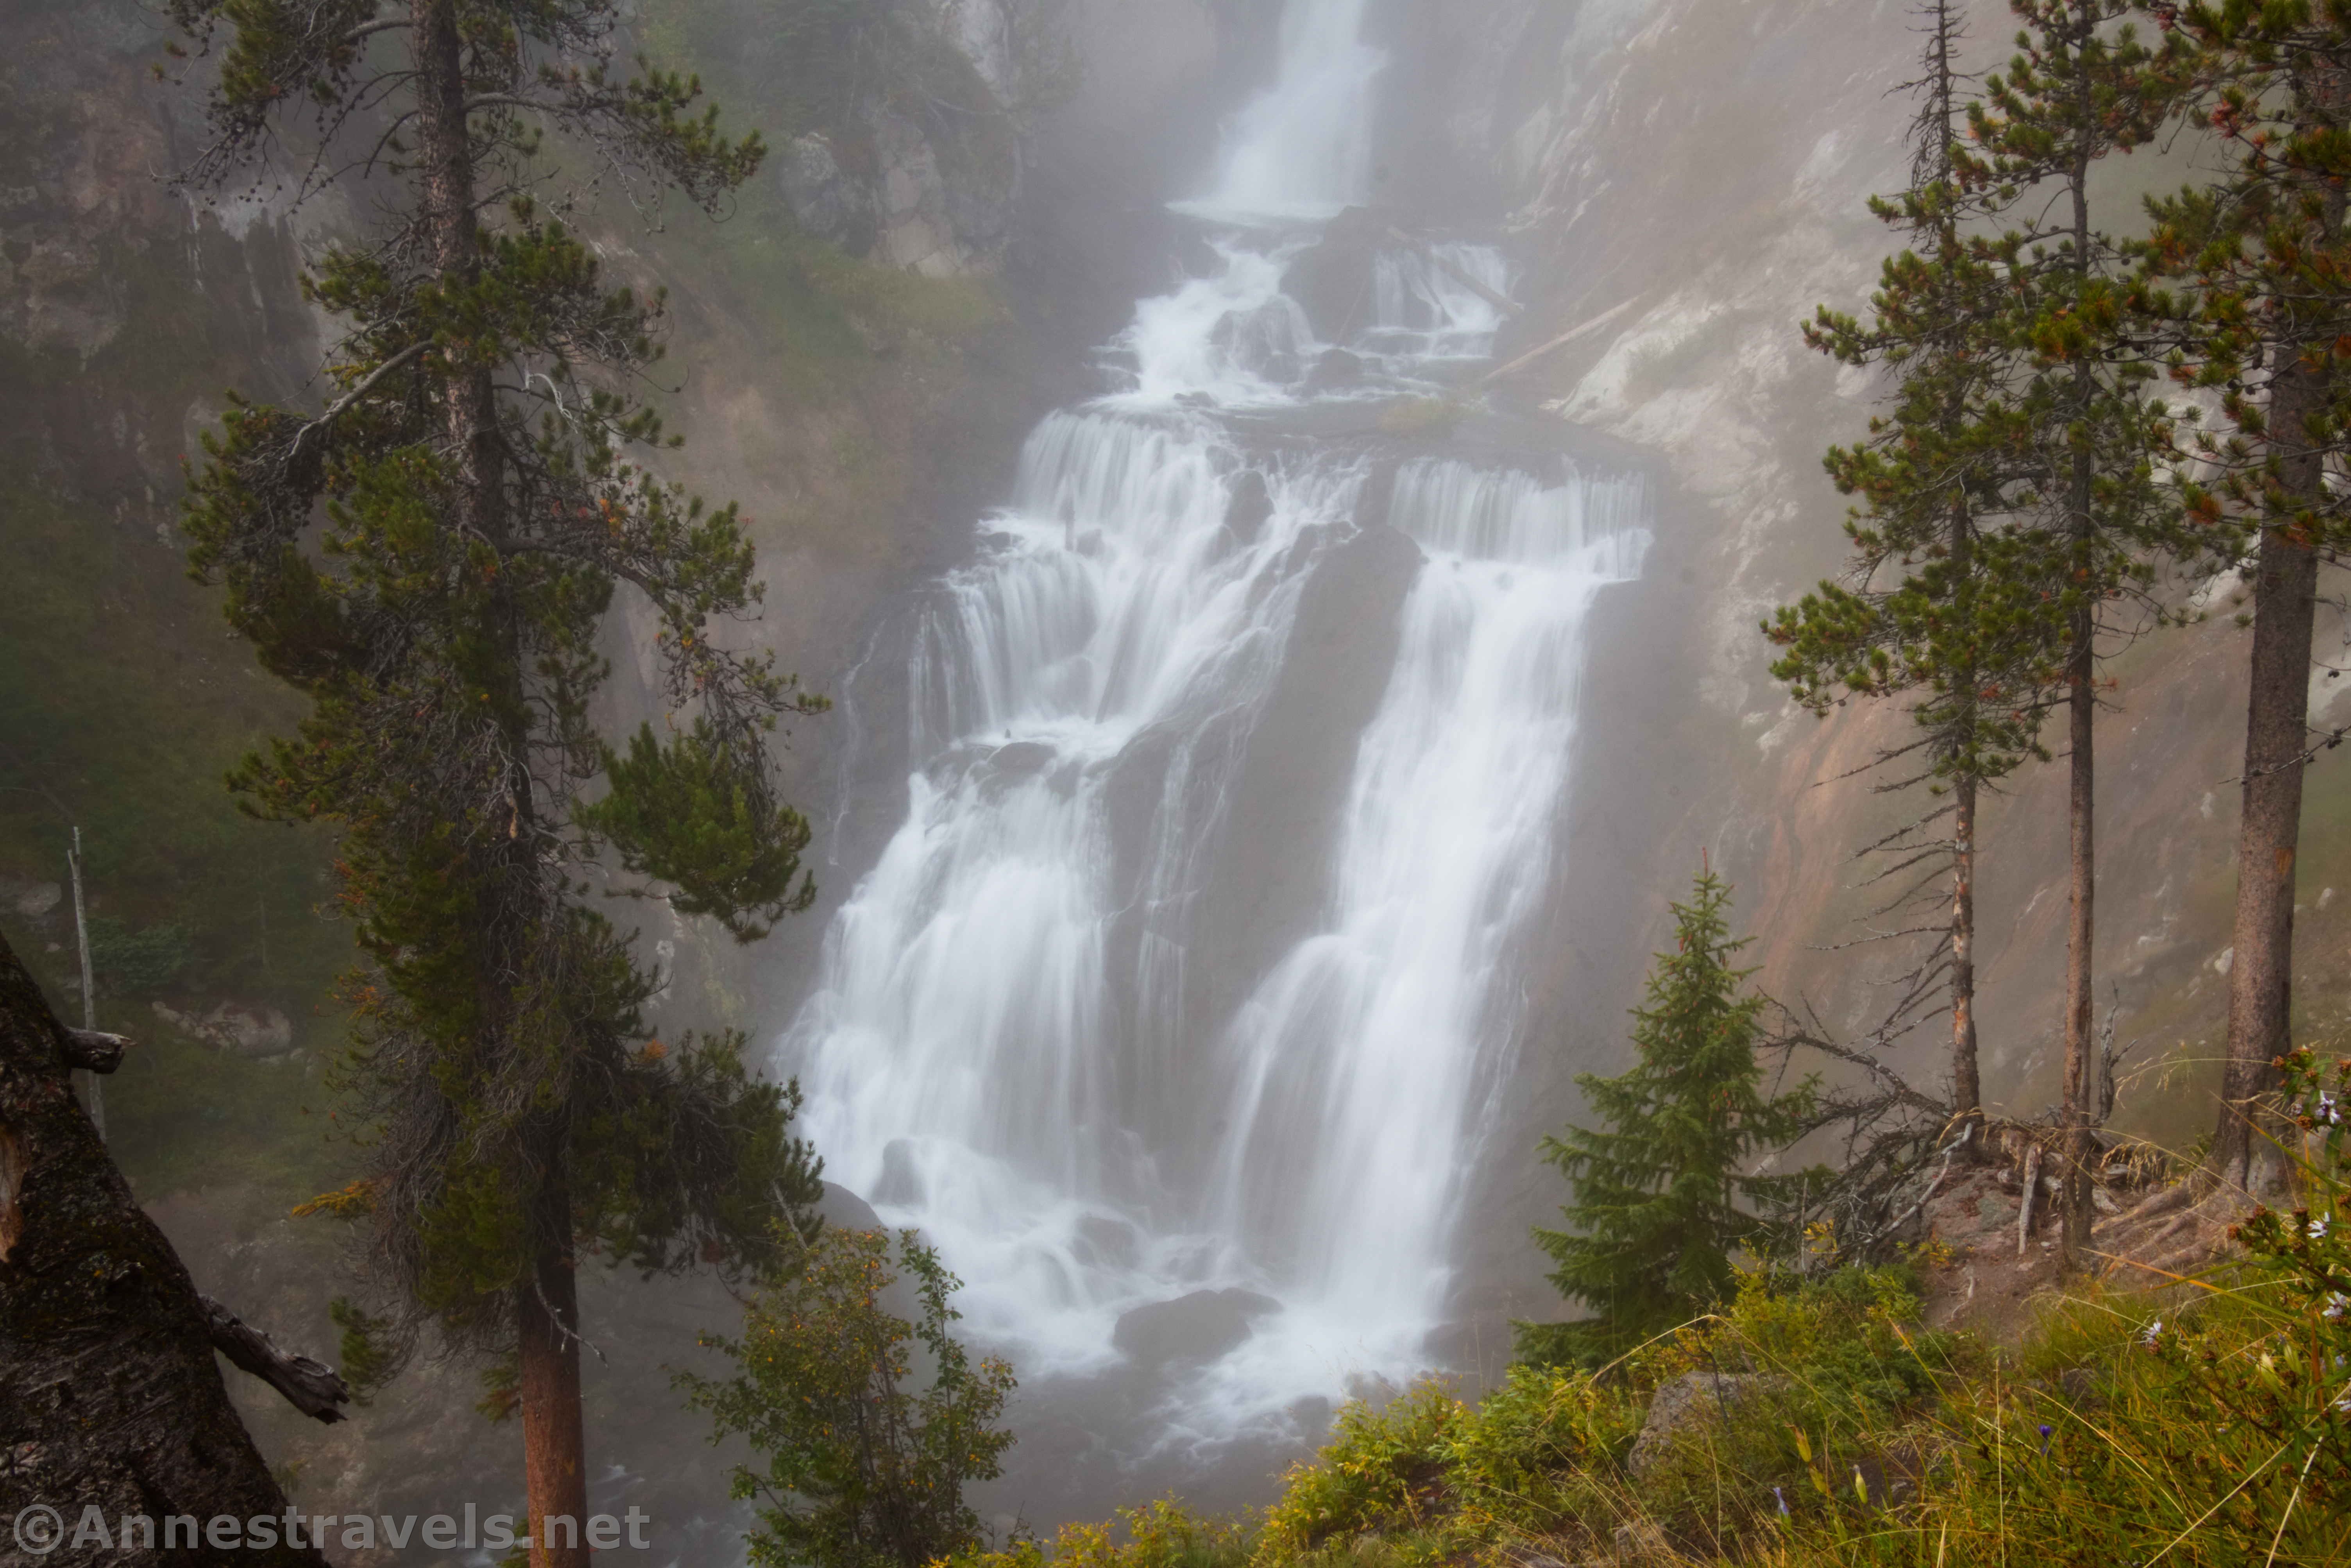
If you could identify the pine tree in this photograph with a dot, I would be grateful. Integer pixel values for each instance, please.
(1928, 604)
(429, 561)
(1662, 1199)
(2262, 258)
(2082, 88)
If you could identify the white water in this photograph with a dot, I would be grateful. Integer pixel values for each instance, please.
(1009, 1047)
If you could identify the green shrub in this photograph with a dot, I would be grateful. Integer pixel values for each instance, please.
(143, 963)
(858, 1470)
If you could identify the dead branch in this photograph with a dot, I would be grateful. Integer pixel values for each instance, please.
(312, 1388)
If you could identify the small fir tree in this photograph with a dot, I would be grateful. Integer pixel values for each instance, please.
(1663, 1199)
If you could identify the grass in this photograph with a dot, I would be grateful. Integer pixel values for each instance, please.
(2204, 1426)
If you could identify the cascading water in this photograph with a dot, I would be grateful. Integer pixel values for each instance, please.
(1013, 1045)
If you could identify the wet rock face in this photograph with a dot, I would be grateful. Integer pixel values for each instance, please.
(1201, 1326)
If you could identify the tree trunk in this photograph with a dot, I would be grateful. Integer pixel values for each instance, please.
(547, 1312)
(2245, 1152)
(2246, 1143)
(445, 165)
(1967, 1079)
(2074, 1176)
(2082, 706)
(109, 1395)
(555, 1457)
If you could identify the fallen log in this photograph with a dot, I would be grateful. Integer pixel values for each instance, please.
(1561, 341)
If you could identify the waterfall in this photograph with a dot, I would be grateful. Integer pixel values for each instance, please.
(1304, 149)
(1064, 1025)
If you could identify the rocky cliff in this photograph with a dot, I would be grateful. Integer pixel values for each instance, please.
(1689, 180)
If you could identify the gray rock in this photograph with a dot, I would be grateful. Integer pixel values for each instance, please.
(1336, 371)
(1021, 758)
(30, 900)
(252, 1030)
(826, 199)
(1331, 280)
(1688, 1402)
(1642, 1542)
(1201, 1326)
(1250, 505)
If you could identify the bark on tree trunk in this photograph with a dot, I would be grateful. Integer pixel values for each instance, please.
(2074, 1176)
(2246, 1152)
(1967, 1080)
(2261, 985)
(109, 1395)
(555, 1458)
(2081, 675)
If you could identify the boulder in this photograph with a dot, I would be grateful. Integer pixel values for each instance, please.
(1336, 371)
(1021, 758)
(1689, 1402)
(1331, 280)
(828, 200)
(28, 899)
(1201, 1326)
(253, 1030)
(1250, 505)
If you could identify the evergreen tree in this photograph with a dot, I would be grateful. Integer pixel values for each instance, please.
(2261, 259)
(2081, 88)
(1662, 1199)
(1928, 604)
(430, 561)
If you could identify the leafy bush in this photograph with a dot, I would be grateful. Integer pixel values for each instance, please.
(1162, 1534)
(1383, 1470)
(858, 1472)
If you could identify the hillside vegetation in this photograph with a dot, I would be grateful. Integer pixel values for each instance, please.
(1822, 1420)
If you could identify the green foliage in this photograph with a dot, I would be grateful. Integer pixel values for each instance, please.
(684, 814)
(1377, 1474)
(1161, 1535)
(1661, 1201)
(2209, 1425)
(2011, 487)
(857, 1471)
(2247, 267)
(429, 562)
(368, 1356)
(126, 962)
